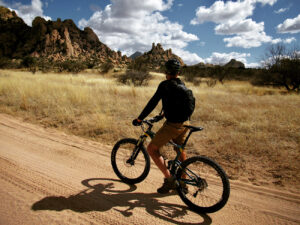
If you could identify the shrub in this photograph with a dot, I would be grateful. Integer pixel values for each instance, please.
(5, 63)
(137, 78)
(211, 83)
(139, 64)
(106, 67)
(29, 62)
(45, 65)
(71, 66)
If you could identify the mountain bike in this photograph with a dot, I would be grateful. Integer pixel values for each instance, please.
(206, 188)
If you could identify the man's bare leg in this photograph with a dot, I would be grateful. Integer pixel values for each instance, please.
(153, 151)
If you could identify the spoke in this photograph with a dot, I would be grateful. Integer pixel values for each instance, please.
(205, 187)
(130, 170)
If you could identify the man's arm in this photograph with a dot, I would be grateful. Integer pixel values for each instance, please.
(151, 104)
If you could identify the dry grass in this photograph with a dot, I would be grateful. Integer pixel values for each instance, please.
(253, 132)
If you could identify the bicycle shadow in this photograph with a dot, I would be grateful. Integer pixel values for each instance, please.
(103, 197)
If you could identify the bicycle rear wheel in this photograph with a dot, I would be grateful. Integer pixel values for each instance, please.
(131, 163)
(207, 186)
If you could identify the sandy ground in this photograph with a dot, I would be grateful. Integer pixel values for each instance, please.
(48, 177)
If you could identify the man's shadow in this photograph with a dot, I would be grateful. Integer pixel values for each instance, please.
(103, 197)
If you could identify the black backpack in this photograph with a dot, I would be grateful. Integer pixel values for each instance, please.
(180, 100)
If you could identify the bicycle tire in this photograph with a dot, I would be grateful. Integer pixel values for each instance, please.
(128, 173)
(213, 188)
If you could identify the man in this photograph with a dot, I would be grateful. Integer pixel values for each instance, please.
(173, 128)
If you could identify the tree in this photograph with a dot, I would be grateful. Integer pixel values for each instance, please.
(283, 66)
(274, 54)
(288, 70)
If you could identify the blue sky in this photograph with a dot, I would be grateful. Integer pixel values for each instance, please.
(196, 30)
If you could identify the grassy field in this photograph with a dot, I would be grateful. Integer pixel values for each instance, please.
(254, 133)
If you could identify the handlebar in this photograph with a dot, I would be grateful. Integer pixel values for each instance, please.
(153, 120)
(150, 122)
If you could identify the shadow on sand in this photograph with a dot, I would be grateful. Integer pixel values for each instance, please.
(101, 195)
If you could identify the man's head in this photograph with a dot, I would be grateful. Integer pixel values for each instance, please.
(172, 67)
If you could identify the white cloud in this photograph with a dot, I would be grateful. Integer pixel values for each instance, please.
(218, 58)
(289, 40)
(232, 18)
(28, 12)
(188, 57)
(254, 38)
(264, 2)
(221, 12)
(282, 10)
(133, 25)
(253, 65)
(290, 25)
(239, 27)
(223, 58)
(136, 8)
(248, 40)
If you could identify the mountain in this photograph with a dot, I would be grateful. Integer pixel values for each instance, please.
(156, 58)
(62, 40)
(235, 64)
(135, 55)
(56, 40)
(202, 65)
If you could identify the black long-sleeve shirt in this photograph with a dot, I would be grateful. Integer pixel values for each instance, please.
(163, 93)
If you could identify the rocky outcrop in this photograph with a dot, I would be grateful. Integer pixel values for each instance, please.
(156, 58)
(235, 64)
(13, 33)
(202, 65)
(6, 14)
(56, 40)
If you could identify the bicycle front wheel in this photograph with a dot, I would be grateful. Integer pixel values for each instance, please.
(130, 162)
(207, 186)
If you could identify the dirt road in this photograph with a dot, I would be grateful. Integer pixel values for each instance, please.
(48, 177)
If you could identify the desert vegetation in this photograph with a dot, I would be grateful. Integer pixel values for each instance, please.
(252, 131)
(280, 68)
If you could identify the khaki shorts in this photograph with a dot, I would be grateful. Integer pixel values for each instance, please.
(170, 131)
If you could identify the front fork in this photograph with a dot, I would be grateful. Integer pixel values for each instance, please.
(136, 150)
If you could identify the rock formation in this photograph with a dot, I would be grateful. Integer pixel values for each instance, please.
(156, 58)
(56, 40)
(235, 64)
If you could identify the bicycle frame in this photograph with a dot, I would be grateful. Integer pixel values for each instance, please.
(174, 164)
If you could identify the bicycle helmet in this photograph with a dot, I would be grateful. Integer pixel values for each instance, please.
(172, 66)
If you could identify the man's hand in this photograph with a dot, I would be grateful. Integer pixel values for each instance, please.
(136, 122)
